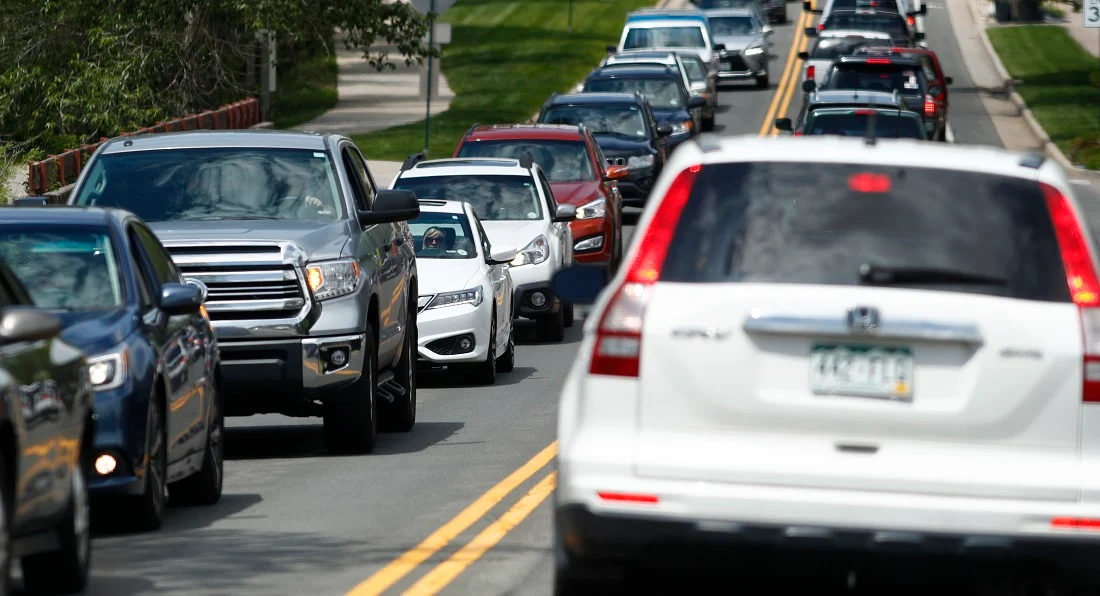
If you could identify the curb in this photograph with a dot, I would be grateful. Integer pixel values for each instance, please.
(1009, 87)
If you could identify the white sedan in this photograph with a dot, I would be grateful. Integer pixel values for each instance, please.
(465, 295)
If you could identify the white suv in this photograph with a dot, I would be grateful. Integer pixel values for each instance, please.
(818, 341)
(513, 201)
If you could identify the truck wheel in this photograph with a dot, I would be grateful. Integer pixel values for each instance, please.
(351, 421)
(65, 570)
(148, 511)
(552, 327)
(400, 414)
(486, 372)
(507, 361)
(205, 486)
(708, 124)
(567, 314)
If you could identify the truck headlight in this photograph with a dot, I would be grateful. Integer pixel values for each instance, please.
(534, 253)
(754, 51)
(472, 296)
(593, 210)
(333, 279)
(639, 161)
(108, 371)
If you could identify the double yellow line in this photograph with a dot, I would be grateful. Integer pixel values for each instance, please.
(789, 81)
(445, 572)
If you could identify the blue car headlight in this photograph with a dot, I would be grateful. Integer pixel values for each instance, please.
(108, 371)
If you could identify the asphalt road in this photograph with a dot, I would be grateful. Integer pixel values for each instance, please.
(295, 520)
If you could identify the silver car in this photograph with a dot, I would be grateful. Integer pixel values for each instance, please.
(745, 37)
(692, 69)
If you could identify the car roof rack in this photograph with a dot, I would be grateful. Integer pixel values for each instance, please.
(470, 130)
(411, 161)
(526, 160)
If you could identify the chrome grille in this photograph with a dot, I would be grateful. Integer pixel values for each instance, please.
(616, 161)
(244, 282)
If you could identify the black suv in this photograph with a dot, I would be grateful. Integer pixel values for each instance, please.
(625, 129)
(663, 86)
(903, 74)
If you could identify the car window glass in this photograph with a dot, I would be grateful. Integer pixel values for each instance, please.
(906, 126)
(356, 182)
(442, 236)
(486, 246)
(67, 267)
(661, 91)
(564, 161)
(363, 176)
(754, 222)
(551, 204)
(164, 270)
(905, 79)
(146, 286)
(493, 197)
(621, 120)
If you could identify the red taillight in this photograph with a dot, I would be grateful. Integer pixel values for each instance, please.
(798, 133)
(879, 61)
(628, 497)
(929, 105)
(864, 112)
(821, 26)
(1084, 287)
(618, 348)
(810, 70)
(912, 20)
(1075, 522)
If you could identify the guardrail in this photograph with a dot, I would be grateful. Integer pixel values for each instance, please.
(63, 169)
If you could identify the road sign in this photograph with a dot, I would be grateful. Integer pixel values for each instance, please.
(1092, 14)
(439, 35)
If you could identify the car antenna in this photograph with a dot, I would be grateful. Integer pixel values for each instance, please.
(872, 120)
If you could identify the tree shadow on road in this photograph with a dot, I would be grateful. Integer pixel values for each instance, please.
(105, 519)
(308, 440)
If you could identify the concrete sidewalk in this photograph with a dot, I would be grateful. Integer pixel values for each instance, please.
(1075, 26)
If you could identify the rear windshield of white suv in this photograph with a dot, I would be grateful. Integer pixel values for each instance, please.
(852, 224)
(831, 48)
(665, 37)
(495, 198)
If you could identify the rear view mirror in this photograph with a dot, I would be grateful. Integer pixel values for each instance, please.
(502, 255)
(783, 124)
(803, 55)
(697, 102)
(24, 323)
(391, 206)
(767, 30)
(580, 284)
(565, 213)
(923, 9)
(617, 172)
(664, 130)
(809, 85)
(180, 299)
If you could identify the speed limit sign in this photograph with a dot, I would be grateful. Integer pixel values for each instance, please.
(1092, 14)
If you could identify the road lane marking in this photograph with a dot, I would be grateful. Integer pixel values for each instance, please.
(788, 69)
(448, 570)
(392, 573)
(800, 42)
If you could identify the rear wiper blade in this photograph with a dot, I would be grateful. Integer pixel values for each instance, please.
(884, 276)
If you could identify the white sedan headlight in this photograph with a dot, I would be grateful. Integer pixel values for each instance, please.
(639, 161)
(595, 209)
(334, 278)
(472, 296)
(108, 371)
(754, 51)
(534, 253)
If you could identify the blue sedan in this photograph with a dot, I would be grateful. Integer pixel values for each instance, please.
(152, 356)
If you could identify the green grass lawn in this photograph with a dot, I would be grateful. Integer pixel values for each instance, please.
(1055, 71)
(305, 89)
(505, 59)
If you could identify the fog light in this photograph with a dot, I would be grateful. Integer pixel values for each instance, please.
(105, 464)
(538, 299)
(338, 357)
(465, 344)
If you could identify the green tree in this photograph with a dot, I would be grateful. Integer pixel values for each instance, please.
(74, 70)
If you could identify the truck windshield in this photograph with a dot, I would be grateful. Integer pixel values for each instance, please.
(495, 198)
(212, 184)
(69, 269)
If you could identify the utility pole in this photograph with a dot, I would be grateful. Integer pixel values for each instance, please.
(428, 103)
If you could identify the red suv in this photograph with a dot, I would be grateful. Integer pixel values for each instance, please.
(578, 174)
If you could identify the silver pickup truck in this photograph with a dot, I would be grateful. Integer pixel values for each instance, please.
(308, 267)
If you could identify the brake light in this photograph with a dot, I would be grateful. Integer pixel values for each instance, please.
(868, 182)
(821, 26)
(929, 105)
(1075, 522)
(618, 348)
(810, 72)
(912, 20)
(1084, 287)
(864, 112)
(879, 61)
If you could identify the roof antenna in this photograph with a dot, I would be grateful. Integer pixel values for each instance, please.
(872, 120)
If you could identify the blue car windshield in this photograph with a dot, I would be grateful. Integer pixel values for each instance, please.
(213, 184)
(69, 269)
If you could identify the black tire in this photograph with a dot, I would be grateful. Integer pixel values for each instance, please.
(400, 414)
(65, 570)
(205, 486)
(147, 512)
(762, 81)
(567, 314)
(708, 124)
(507, 361)
(551, 327)
(5, 533)
(351, 421)
(486, 372)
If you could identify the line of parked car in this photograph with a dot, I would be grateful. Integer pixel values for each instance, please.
(870, 64)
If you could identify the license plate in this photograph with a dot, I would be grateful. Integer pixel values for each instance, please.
(866, 371)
